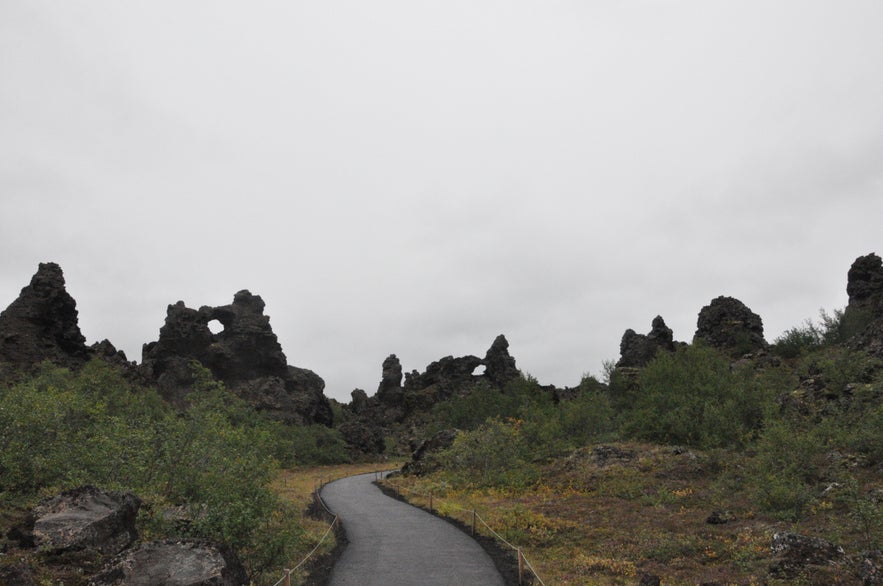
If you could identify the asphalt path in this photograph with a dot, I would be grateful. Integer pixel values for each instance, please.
(393, 543)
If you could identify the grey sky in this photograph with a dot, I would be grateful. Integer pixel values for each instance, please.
(416, 177)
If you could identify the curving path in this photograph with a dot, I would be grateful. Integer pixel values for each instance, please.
(391, 542)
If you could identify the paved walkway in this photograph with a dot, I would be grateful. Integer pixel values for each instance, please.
(393, 543)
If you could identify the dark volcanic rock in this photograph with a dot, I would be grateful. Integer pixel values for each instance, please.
(727, 324)
(499, 365)
(720, 517)
(794, 552)
(423, 459)
(395, 403)
(174, 563)
(42, 324)
(108, 352)
(17, 574)
(862, 320)
(360, 402)
(363, 436)
(246, 356)
(865, 282)
(448, 371)
(871, 568)
(86, 518)
(390, 389)
(637, 350)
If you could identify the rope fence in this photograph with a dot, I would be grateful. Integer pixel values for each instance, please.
(524, 564)
(334, 525)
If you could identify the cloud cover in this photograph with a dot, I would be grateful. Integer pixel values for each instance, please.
(417, 177)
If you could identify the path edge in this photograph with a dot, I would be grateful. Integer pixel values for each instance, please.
(505, 560)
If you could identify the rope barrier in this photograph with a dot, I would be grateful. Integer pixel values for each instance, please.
(523, 562)
(522, 559)
(286, 578)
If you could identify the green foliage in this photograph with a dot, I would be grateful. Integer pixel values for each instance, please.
(555, 429)
(846, 323)
(693, 397)
(216, 458)
(786, 469)
(315, 444)
(492, 454)
(834, 328)
(800, 451)
(485, 401)
(799, 340)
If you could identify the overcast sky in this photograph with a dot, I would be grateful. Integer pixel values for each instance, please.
(416, 177)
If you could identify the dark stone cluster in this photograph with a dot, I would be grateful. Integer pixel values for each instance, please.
(727, 324)
(245, 355)
(395, 401)
(42, 324)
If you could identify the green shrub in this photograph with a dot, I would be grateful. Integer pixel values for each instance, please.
(798, 341)
(314, 444)
(60, 429)
(693, 397)
(492, 454)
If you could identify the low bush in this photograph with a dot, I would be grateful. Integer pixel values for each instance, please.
(693, 397)
(216, 458)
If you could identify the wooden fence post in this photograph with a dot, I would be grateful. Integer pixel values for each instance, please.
(430, 502)
(520, 567)
(287, 577)
(473, 522)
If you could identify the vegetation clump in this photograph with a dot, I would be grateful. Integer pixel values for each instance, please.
(204, 470)
(683, 468)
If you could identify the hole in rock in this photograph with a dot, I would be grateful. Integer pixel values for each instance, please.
(479, 370)
(215, 326)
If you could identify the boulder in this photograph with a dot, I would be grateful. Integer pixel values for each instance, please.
(245, 356)
(499, 365)
(423, 459)
(363, 436)
(636, 350)
(793, 553)
(871, 568)
(42, 324)
(17, 574)
(86, 518)
(719, 517)
(727, 324)
(174, 563)
(360, 402)
(862, 320)
(390, 391)
(448, 372)
(865, 283)
(109, 353)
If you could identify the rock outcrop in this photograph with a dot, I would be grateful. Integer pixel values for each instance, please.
(390, 391)
(862, 321)
(499, 365)
(728, 324)
(360, 402)
(42, 324)
(86, 518)
(423, 459)
(446, 377)
(363, 436)
(395, 402)
(173, 563)
(637, 350)
(448, 372)
(245, 355)
(795, 553)
(865, 283)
